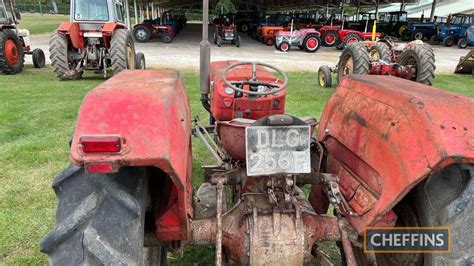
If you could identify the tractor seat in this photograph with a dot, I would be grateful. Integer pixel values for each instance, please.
(232, 134)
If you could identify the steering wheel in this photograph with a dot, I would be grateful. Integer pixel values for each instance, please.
(275, 86)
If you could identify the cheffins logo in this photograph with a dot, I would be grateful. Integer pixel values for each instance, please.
(407, 240)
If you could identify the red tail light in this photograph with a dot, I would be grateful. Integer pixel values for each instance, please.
(96, 144)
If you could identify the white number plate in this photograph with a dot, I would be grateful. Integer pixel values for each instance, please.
(277, 149)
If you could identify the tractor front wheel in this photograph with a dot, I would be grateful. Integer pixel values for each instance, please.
(60, 54)
(311, 43)
(38, 57)
(237, 42)
(140, 61)
(448, 41)
(324, 76)
(418, 35)
(284, 46)
(330, 38)
(422, 58)
(350, 38)
(166, 38)
(100, 218)
(122, 51)
(11, 53)
(353, 60)
(462, 43)
(219, 41)
(434, 40)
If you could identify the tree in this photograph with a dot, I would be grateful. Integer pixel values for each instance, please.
(55, 6)
(225, 6)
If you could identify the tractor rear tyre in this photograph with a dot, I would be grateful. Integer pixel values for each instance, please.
(443, 200)
(448, 41)
(166, 38)
(60, 50)
(38, 57)
(142, 34)
(330, 38)
(100, 218)
(434, 40)
(219, 41)
(122, 51)
(353, 60)
(215, 38)
(269, 41)
(462, 43)
(324, 76)
(311, 43)
(237, 42)
(140, 61)
(350, 38)
(423, 58)
(380, 51)
(11, 53)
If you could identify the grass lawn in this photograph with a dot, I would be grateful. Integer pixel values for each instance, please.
(41, 24)
(37, 117)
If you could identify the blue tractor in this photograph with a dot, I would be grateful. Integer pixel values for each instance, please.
(453, 30)
(468, 39)
(422, 30)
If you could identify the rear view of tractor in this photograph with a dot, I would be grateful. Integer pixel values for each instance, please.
(14, 42)
(95, 39)
(413, 61)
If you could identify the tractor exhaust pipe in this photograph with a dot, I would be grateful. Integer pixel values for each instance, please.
(205, 57)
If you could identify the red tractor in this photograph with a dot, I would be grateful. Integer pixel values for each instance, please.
(340, 37)
(386, 152)
(14, 42)
(226, 32)
(306, 39)
(413, 61)
(152, 28)
(95, 39)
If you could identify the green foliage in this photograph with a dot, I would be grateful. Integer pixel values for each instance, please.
(224, 7)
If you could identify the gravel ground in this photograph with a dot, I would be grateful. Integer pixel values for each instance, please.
(183, 53)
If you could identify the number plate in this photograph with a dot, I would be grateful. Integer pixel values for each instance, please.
(277, 149)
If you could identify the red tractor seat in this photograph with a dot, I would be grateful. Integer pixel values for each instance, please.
(232, 134)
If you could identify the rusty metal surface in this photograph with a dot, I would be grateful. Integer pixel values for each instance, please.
(153, 119)
(385, 134)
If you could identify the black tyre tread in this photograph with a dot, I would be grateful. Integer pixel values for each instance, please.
(425, 58)
(5, 67)
(118, 50)
(462, 43)
(306, 49)
(347, 37)
(38, 58)
(140, 62)
(100, 218)
(58, 53)
(384, 51)
(360, 56)
(336, 42)
(434, 40)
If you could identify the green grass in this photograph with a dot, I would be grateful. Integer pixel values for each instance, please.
(37, 117)
(41, 24)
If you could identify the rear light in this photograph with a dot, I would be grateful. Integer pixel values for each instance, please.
(95, 168)
(96, 144)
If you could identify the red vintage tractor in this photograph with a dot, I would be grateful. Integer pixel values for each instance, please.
(226, 32)
(145, 31)
(340, 37)
(413, 61)
(386, 152)
(95, 39)
(14, 42)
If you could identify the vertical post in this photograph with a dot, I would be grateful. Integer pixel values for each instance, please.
(136, 11)
(152, 11)
(342, 10)
(377, 10)
(205, 56)
(358, 10)
(402, 6)
(127, 13)
(433, 8)
(147, 11)
(327, 10)
(41, 8)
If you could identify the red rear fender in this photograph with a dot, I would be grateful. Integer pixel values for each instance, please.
(150, 112)
(73, 30)
(387, 134)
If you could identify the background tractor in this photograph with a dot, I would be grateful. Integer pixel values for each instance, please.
(454, 29)
(413, 61)
(95, 39)
(468, 39)
(14, 42)
(306, 39)
(145, 31)
(226, 32)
